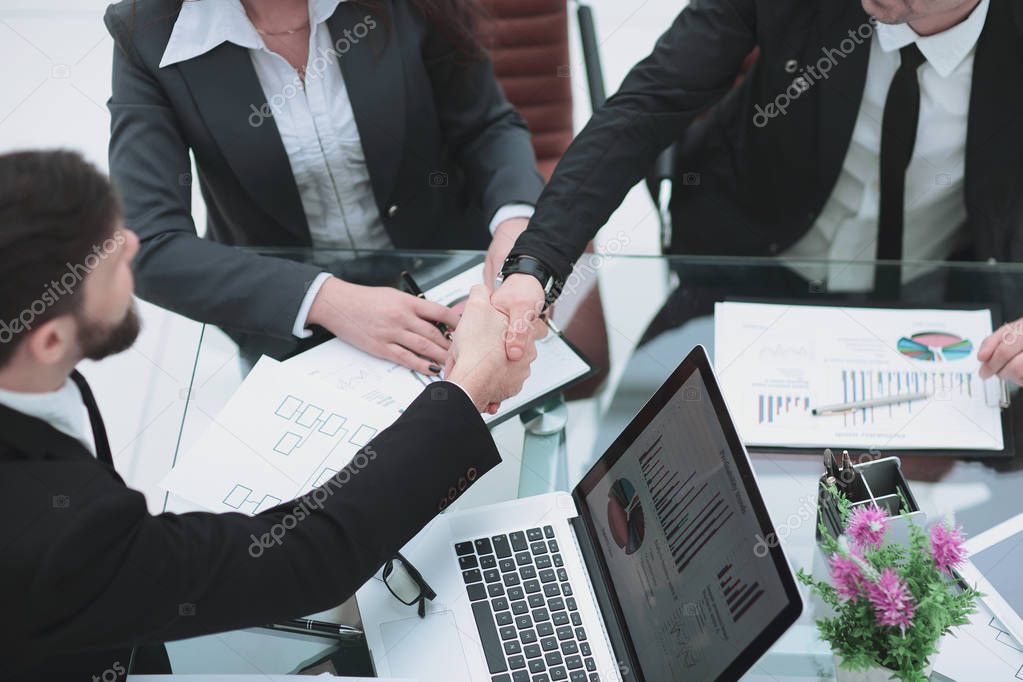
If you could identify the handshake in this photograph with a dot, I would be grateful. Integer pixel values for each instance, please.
(478, 361)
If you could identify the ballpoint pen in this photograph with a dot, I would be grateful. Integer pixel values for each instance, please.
(413, 288)
(842, 408)
(305, 626)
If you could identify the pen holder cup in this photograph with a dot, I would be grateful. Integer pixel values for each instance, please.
(879, 482)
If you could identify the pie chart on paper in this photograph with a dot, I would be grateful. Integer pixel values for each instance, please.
(935, 346)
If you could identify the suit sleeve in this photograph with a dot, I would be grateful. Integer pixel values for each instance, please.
(115, 575)
(692, 66)
(149, 164)
(486, 135)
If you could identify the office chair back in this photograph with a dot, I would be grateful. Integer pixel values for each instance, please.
(528, 42)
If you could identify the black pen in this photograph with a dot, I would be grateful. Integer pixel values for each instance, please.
(413, 288)
(304, 626)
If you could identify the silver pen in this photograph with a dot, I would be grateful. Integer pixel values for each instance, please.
(841, 408)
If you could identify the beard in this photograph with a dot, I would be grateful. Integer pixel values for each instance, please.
(98, 341)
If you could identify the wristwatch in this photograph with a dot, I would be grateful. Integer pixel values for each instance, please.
(527, 265)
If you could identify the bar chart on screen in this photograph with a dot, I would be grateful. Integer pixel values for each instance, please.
(691, 510)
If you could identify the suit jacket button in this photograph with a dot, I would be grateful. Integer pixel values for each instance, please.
(791, 66)
(392, 211)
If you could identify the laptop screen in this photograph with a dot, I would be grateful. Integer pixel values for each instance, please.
(682, 540)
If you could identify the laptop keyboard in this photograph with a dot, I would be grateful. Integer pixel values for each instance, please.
(525, 608)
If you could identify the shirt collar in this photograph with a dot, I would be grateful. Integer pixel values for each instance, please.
(944, 51)
(204, 24)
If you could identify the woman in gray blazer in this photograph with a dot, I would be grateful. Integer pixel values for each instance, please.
(366, 124)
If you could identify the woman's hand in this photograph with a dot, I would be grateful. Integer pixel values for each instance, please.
(1001, 354)
(385, 322)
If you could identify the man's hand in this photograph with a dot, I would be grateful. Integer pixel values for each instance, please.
(505, 236)
(1002, 354)
(385, 322)
(478, 363)
(521, 298)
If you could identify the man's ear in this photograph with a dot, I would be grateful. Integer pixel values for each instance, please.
(52, 342)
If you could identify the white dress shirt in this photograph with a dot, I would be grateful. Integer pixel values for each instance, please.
(316, 123)
(847, 229)
(62, 409)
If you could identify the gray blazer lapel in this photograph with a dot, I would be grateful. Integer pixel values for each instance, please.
(371, 64)
(229, 97)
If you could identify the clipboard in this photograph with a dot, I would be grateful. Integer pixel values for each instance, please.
(440, 277)
(1008, 450)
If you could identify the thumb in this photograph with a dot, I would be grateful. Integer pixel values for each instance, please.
(519, 330)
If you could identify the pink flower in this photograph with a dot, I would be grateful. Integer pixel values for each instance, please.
(867, 526)
(846, 577)
(893, 604)
(947, 547)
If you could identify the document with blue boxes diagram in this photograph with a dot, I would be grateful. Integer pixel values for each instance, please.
(279, 436)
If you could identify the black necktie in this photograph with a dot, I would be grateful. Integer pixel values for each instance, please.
(99, 432)
(898, 137)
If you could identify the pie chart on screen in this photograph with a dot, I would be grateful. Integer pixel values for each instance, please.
(625, 516)
(935, 346)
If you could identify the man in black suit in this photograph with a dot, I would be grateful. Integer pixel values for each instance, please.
(87, 573)
(888, 129)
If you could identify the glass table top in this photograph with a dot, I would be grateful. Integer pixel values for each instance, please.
(637, 318)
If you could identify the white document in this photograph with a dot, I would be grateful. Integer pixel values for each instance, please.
(778, 362)
(980, 650)
(387, 384)
(279, 436)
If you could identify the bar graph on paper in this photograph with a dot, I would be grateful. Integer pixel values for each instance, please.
(859, 384)
(690, 513)
(771, 408)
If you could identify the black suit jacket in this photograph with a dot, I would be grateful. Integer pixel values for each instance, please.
(757, 190)
(87, 573)
(443, 146)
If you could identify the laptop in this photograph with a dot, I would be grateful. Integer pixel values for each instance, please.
(653, 569)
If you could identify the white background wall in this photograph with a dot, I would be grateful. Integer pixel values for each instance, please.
(55, 83)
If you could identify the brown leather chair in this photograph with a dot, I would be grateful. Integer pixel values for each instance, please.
(528, 43)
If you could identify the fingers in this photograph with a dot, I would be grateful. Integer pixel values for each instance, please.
(425, 348)
(990, 344)
(435, 312)
(524, 326)
(429, 331)
(406, 358)
(1000, 349)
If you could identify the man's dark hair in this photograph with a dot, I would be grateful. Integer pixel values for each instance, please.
(56, 212)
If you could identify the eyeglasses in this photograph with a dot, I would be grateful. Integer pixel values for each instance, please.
(407, 584)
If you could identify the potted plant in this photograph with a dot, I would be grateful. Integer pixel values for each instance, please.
(891, 602)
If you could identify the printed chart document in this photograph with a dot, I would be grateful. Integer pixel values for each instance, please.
(778, 362)
(393, 386)
(279, 436)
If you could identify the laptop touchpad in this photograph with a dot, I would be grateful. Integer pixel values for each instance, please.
(411, 645)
